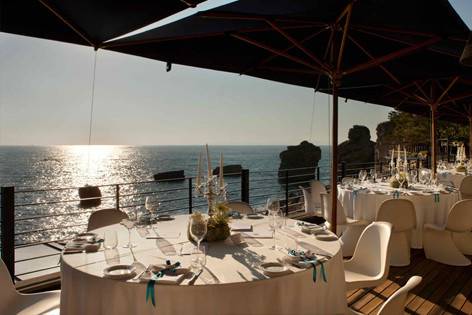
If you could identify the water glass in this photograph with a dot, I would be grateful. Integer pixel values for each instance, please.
(198, 259)
(112, 256)
(110, 239)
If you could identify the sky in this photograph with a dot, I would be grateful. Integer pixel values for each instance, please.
(46, 87)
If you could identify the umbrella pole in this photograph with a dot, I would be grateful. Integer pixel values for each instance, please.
(470, 136)
(433, 139)
(334, 158)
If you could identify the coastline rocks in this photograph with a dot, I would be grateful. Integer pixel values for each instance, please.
(229, 170)
(358, 149)
(305, 155)
(90, 192)
(171, 175)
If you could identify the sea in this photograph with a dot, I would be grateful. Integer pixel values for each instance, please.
(46, 180)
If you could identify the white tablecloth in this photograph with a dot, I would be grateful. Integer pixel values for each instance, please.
(232, 282)
(452, 176)
(364, 204)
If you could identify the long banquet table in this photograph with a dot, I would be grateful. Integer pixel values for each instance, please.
(363, 201)
(231, 283)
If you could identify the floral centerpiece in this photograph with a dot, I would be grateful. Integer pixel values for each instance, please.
(395, 182)
(461, 168)
(213, 189)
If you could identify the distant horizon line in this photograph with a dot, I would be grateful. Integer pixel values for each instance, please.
(151, 145)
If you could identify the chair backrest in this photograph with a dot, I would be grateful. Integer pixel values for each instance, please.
(460, 216)
(240, 206)
(372, 253)
(396, 302)
(327, 210)
(309, 207)
(400, 212)
(317, 188)
(105, 217)
(8, 288)
(466, 187)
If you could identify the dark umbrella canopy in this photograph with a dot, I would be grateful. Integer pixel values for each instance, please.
(286, 41)
(85, 22)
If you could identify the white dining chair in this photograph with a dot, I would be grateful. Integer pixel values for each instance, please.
(395, 304)
(443, 243)
(466, 187)
(240, 206)
(349, 228)
(370, 263)
(312, 197)
(12, 302)
(105, 217)
(401, 213)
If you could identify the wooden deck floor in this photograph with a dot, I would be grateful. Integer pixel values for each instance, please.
(444, 289)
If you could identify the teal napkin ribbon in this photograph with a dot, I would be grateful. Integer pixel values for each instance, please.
(150, 292)
(313, 261)
(396, 194)
(436, 197)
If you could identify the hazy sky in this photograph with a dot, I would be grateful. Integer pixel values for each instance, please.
(45, 92)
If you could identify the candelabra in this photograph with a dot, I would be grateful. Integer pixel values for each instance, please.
(210, 189)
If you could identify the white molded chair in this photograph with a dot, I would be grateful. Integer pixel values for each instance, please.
(447, 244)
(352, 229)
(312, 197)
(395, 304)
(105, 217)
(370, 263)
(401, 213)
(466, 187)
(12, 302)
(240, 206)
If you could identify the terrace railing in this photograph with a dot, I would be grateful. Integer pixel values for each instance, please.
(51, 216)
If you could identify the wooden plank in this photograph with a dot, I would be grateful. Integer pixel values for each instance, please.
(453, 292)
(418, 267)
(460, 299)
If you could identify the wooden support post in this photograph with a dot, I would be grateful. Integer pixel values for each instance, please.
(334, 158)
(433, 139)
(8, 228)
(117, 197)
(470, 137)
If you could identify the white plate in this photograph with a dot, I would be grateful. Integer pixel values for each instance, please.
(120, 272)
(274, 269)
(254, 216)
(87, 237)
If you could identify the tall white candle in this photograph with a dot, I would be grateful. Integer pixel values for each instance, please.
(222, 181)
(198, 180)
(391, 156)
(210, 171)
(398, 156)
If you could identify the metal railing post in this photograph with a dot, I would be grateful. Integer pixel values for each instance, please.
(8, 228)
(317, 173)
(117, 197)
(190, 196)
(286, 192)
(245, 185)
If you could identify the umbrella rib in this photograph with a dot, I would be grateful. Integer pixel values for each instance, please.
(444, 93)
(297, 44)
(405, 42)
(347, 12)
(273, 56)
(394, 55)
(276, 51)
(365, 51)
(66, 22)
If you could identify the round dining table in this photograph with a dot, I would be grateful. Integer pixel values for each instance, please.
(452, 176)
(232, 280)
(432, 204)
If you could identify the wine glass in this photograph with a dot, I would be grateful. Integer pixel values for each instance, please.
(273, 206)
(198, 228)
(401, 179)
(152, 204)
(413, 175)
(129, 224)
(373, 174)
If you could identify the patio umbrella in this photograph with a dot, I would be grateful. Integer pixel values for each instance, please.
(84, 22)
(345, 48)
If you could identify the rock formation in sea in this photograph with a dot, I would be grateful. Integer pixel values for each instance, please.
(306, 155)
(359, 148)
(231, 169)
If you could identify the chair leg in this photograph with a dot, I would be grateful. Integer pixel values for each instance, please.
(463, 242)
(439, 246)
(399, 249)
(349, 239)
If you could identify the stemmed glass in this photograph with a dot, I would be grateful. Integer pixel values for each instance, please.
(273, 206)
(129, 223)
(198, 228)
(413, 175)
(401, 179)
(362, 175)
(152, 204)
(373, 175)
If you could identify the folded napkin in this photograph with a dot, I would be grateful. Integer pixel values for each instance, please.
(307, 259)
(169, 270)
(239, 226)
